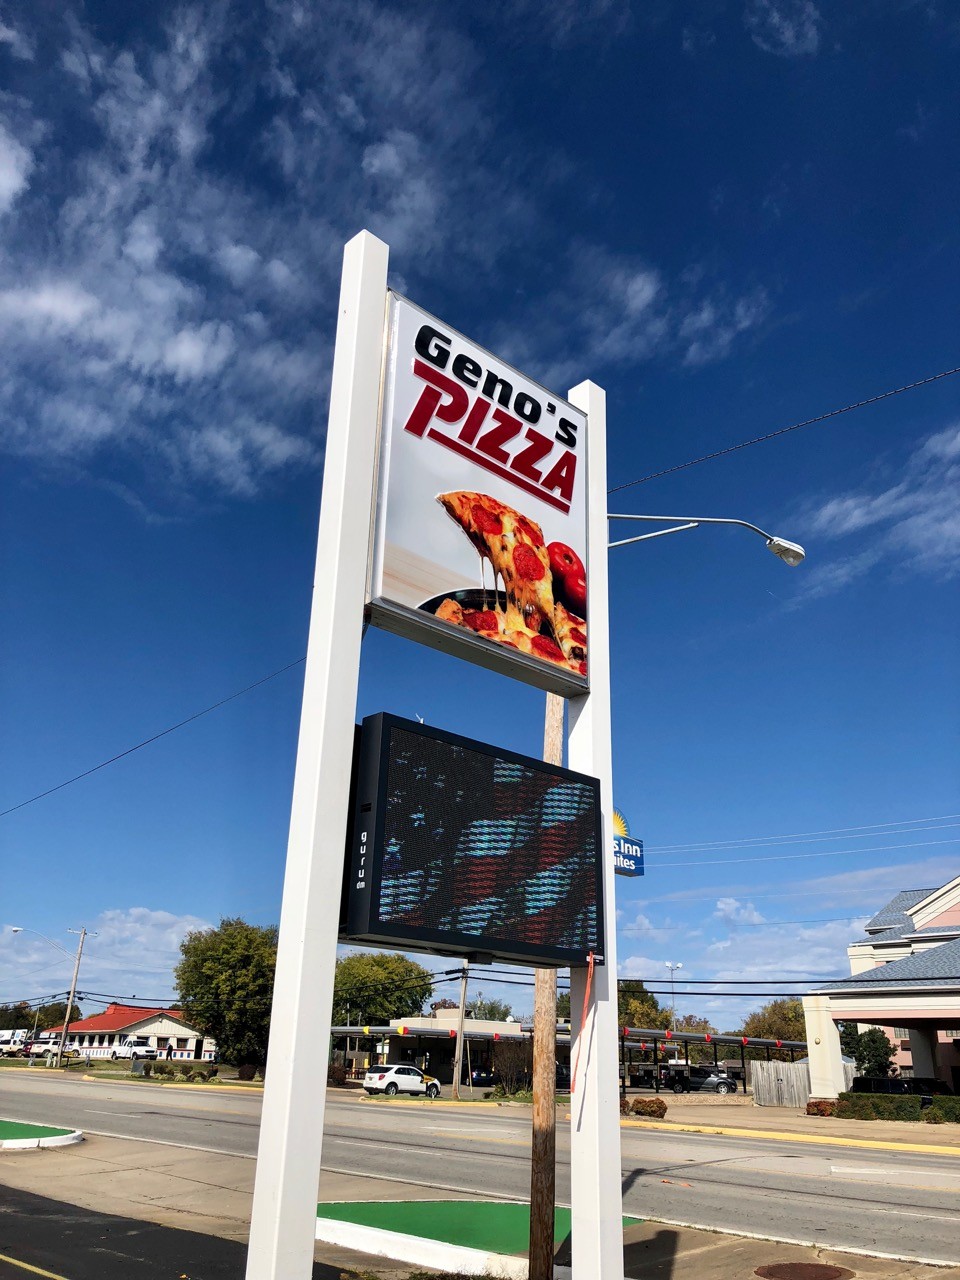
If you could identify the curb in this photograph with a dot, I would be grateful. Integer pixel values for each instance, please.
(32, 1144)
(822, 1140)
(197, 1088)
(421, 1251)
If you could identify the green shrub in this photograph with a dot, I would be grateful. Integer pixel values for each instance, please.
(949, 1108)
(162, 1069)
(933, 1115)
(877, 1106)
(649, 1108)
(821, 1107)
(148, 1068)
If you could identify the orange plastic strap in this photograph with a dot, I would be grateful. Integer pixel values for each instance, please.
(583, 1020)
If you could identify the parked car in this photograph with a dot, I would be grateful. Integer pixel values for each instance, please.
(398, 1078)
(913, 1085)
(483, 1078)
(701, 1080)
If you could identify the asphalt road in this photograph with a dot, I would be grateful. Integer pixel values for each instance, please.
(898, 1203)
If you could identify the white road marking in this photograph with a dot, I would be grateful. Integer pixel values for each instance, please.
(92, 1111)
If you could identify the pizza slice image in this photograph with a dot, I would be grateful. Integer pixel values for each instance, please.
(525, 615)
(516, 549)
(571, 632)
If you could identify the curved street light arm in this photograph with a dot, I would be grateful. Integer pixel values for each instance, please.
(790, 553)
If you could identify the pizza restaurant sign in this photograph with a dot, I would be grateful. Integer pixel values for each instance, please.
(480, 538)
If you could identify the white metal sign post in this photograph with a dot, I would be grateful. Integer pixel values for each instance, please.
(284, 1216)
(539, 439)
(595, 1194)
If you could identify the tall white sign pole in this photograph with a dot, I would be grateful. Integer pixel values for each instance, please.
(284, 1217)
(595, 1192)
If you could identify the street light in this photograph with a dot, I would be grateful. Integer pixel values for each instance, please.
(673, 999)
(73, 983)
(790, 553)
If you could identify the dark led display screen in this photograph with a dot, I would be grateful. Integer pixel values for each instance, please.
(465, 849)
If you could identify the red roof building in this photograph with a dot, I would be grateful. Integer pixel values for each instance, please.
(102, 1034)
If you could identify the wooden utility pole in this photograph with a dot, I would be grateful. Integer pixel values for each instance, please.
(544, 1143)
(458, 1047)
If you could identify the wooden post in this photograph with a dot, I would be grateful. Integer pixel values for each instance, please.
(544, 1139)
(458, 1048)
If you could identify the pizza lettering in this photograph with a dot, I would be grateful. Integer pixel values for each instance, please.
(533, 584)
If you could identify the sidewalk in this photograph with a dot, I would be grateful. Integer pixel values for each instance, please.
(200, 1192)
(743, 1118)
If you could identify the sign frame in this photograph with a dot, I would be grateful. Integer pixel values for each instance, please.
(412, 622)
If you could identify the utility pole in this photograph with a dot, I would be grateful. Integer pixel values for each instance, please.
(458, 1047)
(673, 998)
(73, 992)
(543, 1168)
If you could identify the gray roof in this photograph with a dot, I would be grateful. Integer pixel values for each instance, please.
(894, 914)
(910, 931)
(935, 967)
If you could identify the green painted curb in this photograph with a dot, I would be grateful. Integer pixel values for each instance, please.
(501, 1227)
(17, 1135)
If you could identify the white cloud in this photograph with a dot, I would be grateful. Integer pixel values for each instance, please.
(19, 44)
(16, 164)
(129, 951)
(787, 28)
(733, 912)
(912, 523)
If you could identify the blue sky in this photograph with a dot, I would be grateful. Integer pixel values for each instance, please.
(733, 215)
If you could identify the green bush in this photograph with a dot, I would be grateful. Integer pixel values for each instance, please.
(877, 1106)
(162, 1069)
(933, 1115)
(949, 1108)
(649, 1108)
(148, 1069)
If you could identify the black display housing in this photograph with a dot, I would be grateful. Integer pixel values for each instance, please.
(459, 848)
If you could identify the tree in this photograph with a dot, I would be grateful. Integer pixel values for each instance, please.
(54, 1014)
(490, 1010)
(20, 1016)
(874, 1053)
(374, 987)
(563, 1006)
(443, 1004)
(778, 1020)
(636, 1007)
(849, 1039)
(513, 1062)
(225, 987)
(694, 1025)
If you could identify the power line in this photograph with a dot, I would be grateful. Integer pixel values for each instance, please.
(782, 431)
(831, 833)
(155, 738)
(822, 853)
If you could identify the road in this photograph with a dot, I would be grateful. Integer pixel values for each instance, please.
(898, 1203)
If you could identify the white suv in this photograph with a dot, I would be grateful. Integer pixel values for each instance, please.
(400, 1079)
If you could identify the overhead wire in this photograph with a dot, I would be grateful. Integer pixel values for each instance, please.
(821, 853)
(810, 837)
(782, 431)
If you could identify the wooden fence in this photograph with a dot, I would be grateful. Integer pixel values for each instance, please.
(787, 1084)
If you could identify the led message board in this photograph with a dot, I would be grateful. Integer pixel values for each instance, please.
(465, 849)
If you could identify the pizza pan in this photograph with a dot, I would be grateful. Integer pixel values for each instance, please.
(468, 598)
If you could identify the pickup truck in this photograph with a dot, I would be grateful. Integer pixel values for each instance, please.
(133, 1047)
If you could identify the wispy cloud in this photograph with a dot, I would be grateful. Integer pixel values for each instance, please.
(911, 523)
(166, 313)
(787, 28)
(19, 44)
(129, 951)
